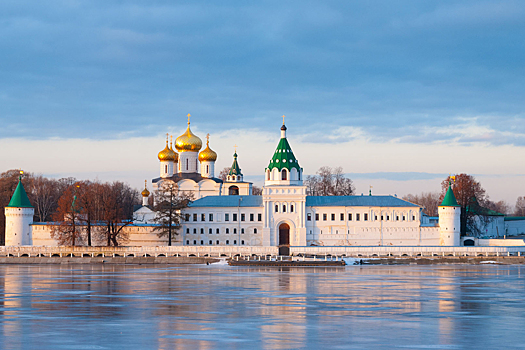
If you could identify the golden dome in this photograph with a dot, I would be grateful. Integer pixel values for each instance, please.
(145, 192)
(207, 154)
(176, 160)
(188, 142)
(167, 154)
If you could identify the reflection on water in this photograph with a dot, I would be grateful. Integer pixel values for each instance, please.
(210, 307)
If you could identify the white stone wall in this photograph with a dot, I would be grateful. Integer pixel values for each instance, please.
(17, 226)
(514, 227)
(230, 232)
(379, 226)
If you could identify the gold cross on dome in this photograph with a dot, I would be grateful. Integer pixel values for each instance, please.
(145, 183)
(207, 139)
(235, 147)
(283, 118)
(167, 137)
(189, 115)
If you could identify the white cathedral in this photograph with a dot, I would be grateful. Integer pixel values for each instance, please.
(226, 213)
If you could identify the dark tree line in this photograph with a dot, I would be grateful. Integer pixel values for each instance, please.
(329, 182)
(83, 211)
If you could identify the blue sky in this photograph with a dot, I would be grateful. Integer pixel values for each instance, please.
(389, 73)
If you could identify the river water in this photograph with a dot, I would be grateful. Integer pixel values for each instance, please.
(222, 307)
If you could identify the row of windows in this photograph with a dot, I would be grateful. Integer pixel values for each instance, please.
(226, 217)
(357, 217)
(284, 173)
(218, 231)
(210, 242)
(284, 208)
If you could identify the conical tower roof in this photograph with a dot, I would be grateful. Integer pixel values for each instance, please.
(449, 200)
(283, 156)
(20, 198)
(235, 169)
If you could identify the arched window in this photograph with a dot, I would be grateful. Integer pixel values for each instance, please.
(299, 175)
(233, 191)
(283, 174)
(207, 169)
(276, 208)
(268, 174)
(187, 164)
(291, 208)
(166, 169)
(284, 208)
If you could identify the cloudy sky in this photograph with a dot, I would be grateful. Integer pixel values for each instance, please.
(398, 93)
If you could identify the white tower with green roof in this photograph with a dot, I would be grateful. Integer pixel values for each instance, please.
(18, 218)
(449, 219)
(284, 199)
(284, 168)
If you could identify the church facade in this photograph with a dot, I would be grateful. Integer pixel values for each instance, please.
(226, 213)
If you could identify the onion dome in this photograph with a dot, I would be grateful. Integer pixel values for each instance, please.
(171, 149)
(188, 142)
(167, 154)
(207, 154)
(145, 192)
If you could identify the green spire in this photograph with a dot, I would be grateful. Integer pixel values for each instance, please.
(235, 169)
(283, 156)
(449, 200)
(20, 199)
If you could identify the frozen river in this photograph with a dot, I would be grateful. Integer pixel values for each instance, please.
(222, 307)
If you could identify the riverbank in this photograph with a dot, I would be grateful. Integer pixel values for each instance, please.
(109, 260)
(502, 260)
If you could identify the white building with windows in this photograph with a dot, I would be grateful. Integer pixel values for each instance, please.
(226, 213)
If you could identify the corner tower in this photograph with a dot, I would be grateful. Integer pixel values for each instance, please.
(449, 219)
(18, 218)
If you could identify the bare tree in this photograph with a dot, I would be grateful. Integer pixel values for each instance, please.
(170, 203)
(67, 229)
(501, 207)
(428, 200)
(223, 175)
(45, 194)
(116, 200)
(329, 182)
(520, 207)
(256, 190)
(469, 195)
